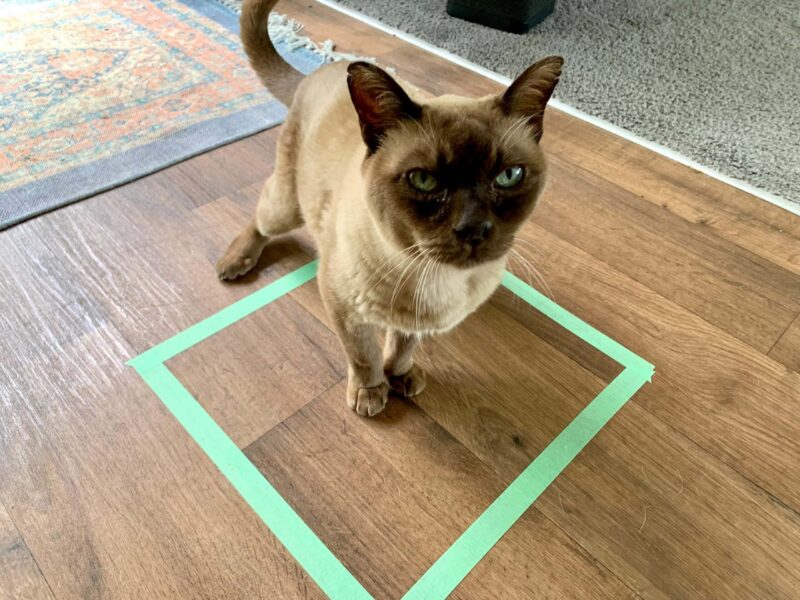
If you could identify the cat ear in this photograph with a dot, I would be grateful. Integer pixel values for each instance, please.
(379, 101)
(530, 92)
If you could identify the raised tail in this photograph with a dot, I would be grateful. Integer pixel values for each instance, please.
(275, 73)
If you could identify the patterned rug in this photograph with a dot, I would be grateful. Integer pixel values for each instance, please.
(96, 93)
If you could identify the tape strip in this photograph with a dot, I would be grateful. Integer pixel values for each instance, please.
(458, 560)
(227, 316)
(301, 542)
(570, 322)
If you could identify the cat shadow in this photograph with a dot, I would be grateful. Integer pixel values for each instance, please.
(397, 408)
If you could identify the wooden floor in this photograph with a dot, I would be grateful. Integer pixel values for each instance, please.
(692, 490)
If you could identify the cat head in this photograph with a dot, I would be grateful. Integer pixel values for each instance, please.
(454, 177)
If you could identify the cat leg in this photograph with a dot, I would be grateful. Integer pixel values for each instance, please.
(367, 390)
(243, 253)
(404, 376)
(278, 212)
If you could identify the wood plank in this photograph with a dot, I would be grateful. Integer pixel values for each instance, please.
(603, 367)
(787, 349)
(153, 290)
(730, 399)
(725, 396)
(110, 494)
(260, 370)
(737, 291)
(648, 504)
(223, 170)
(735, 216)
(642, 498)
(20, 577)
(389, 495)
(493, 352)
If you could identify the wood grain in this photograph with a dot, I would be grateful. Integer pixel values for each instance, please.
(112, 497)
(389, 495)
(787, 349)
(691, 491)
(728, 398)
(257, 372)
(614, 485)
(725, 212)
(739, 292)
(20, 577)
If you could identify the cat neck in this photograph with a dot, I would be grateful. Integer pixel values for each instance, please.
(409, 290)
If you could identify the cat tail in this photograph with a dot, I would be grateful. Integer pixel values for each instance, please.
(275, 73)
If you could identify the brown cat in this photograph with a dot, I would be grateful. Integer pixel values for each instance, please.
(413, 204)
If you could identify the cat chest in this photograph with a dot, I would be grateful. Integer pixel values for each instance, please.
(420, 307)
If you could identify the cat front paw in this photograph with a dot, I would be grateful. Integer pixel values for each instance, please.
(367, 401)
(232, 265)
(408, 384)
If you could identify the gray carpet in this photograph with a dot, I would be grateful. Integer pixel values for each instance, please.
(716, 80)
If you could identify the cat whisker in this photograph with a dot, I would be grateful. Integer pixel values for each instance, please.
(415, 250)
(437, 267)
(419, 292)
(509, 266)
(521, 264)
(515, 126)
(416, 295)
(511, 127)
(426, 135)
(419, 276)
(534, 273)
(417, 247)
(398, 286)
(540, 278)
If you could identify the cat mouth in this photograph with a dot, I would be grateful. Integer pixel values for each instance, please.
(465, 256)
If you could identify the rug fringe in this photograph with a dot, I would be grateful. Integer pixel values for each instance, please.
(285, 30)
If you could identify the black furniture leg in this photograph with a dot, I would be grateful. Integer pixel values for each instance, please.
(515, 16)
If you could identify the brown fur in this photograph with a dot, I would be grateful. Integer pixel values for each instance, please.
(391, 257)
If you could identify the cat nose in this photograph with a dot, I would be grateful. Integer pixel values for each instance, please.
(473, 233)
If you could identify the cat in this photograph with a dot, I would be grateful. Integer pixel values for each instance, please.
(413, 204)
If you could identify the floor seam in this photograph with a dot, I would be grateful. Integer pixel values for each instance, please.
(29, 549)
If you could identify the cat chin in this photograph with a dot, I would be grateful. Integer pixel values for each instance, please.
(465, 264)
(474, 260)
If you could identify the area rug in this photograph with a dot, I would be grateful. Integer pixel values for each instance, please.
(95, 93)
(717, 81)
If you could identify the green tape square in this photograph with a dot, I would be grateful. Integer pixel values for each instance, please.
(301, 542)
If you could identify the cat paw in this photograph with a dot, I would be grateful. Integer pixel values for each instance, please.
(233, 265)
(242, 254)
(408, 384)
(367, 401)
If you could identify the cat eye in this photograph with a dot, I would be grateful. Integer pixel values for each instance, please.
(510, 177)
(423, 181)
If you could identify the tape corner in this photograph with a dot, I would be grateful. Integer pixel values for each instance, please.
(645, 370)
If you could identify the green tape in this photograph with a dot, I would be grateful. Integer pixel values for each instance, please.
(301, 542)
(227, 316)
(447, 572)
(570, 322)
